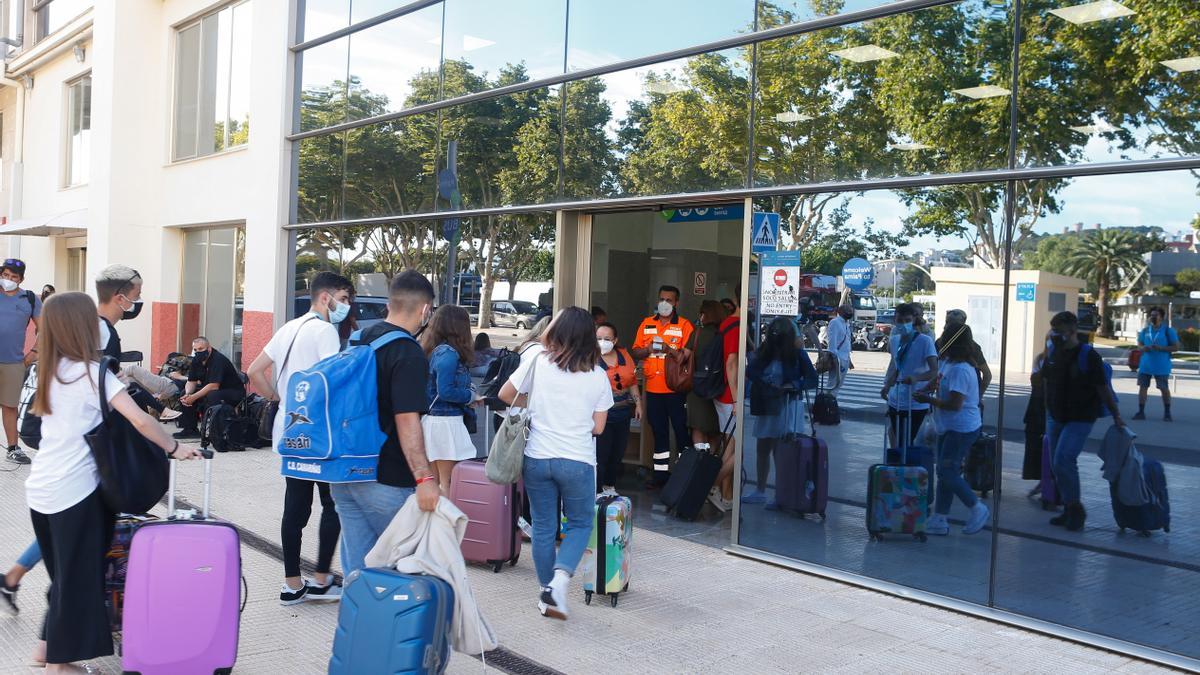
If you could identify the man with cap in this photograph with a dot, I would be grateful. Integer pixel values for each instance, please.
(955, 320)
(18, 308)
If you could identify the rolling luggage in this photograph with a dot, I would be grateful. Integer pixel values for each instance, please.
(605, 564)
(116, 565)
(801, 468)
(980, 466)
(693, 478)
(1147, 517)
(392, 623)
(182, 591)
(1051, 499)
(492, 536)
(897, 493)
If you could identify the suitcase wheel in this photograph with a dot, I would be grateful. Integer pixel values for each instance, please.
(1166, 528)
(497, 566)
(983, 494)
(1122, 530)
(513, 562)
(1144, 533)
(612, 599)
(587, 597)
(822, 514)
(920, 536)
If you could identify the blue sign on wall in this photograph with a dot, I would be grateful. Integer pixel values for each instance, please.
(764, 232)
(702, 213)
(858, 274)
(1026, 292)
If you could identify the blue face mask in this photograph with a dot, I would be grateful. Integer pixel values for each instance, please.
(338, 311)
(904, 329)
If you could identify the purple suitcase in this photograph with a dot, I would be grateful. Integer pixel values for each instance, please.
(492, 536)
(182, 590)
(801, 470)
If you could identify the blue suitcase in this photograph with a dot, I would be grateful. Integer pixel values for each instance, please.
(1147, 517)
(390, 622)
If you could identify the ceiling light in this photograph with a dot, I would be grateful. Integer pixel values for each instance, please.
(471, 43)
(983, 91)
(865, 53)
(664, 87)
(909, 146)
(1100, 127)
(1185, 65)
(1092, 11)
(790, 117)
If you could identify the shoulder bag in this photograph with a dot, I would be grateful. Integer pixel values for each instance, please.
(507, 454)
(680, 365)
(266, 418)
(134, 472)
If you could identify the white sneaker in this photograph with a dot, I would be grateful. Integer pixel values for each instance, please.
(937, 525)
(318, 593)
(979, 517)
(167, 415)
(553, 602)
(723, 505)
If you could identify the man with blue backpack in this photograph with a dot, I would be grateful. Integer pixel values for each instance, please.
(1078, 386)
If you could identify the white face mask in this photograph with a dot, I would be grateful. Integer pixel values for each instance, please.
(8, 285)
(606, 346)
(665, 308)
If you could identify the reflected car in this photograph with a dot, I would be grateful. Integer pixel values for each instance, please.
(514, 313)
(368, 309)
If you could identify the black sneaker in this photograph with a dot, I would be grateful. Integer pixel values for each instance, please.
(9, 603)
(185, 434)
(318, 593)
(1167, 417)
(1139, 416)
(17, 456)
(287, 596)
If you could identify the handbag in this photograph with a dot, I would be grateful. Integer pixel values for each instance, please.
(134, 472)
(266, 419)
(680, 365)
(506, 457)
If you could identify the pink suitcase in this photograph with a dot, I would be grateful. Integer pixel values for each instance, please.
(492, 535)
(182, 590)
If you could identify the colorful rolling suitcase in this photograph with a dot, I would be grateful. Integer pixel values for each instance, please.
(492, 536)
(897, 494)
(1147, 517)
(116, 565)
(801, 469)
(182, 592)
(605, 565)
(392, 623)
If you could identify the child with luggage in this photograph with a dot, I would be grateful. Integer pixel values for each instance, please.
(72, 523)
(447, 344)
(957, 416)
(627, 406)
(568, 399)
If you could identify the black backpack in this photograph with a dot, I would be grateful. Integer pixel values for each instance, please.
(498, 373)
(216, 429)
(29, 425)
(708, 380)
(825, 410)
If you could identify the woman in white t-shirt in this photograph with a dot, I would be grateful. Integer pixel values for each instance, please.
(73, 525)
(957, 415)
(568, 399)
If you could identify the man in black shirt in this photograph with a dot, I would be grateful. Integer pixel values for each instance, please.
(1077, 392)
(402, 371)
(119, 298)
(211, 380)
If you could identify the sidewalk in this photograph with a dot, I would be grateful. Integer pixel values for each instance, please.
(690, 609)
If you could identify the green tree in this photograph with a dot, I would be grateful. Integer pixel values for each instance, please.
(1108, 257)
(1053, 254)
(1188, 280)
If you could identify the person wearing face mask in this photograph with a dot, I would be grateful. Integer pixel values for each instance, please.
(213, 379)
(838, 341)
(119, 298)
(18, 309)
(627, 406)
(914, 363)
(1075, 397)
(1157, 342)
(658, 335)
(298, 345)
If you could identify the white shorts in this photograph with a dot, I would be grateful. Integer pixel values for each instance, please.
(446, 438)
(724, 413)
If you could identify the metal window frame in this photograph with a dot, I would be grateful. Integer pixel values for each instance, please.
(69, 118)
(198, 23)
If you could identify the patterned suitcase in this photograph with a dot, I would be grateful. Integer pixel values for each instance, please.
(605, 565)
(897, 494)
(390, 622)
(492, 510)
(116, 565)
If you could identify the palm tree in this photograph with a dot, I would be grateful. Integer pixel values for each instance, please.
(1108, 256)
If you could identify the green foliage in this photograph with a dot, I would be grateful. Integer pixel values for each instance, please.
(1188, 280)
(1189, 340)
(1110, 257)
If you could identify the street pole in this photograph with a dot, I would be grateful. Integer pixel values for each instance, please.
(448, 186)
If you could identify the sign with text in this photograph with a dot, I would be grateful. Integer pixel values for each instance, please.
(703, 213)
(764, 232)
(1027, 292)
(858, 274)
(700, 284)
(780, 291)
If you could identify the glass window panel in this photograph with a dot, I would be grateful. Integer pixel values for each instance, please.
(679, 126)
(238, 126)
(58, 14)
(209, 81)
(1102, 579)
(323, 85)
(361, 10)
(918, 93)
(324, 16)
(187, 84)
(1103, 86)
(79, 109)
(224, 48)
(390, 167)
(507, 150)
(195, 263)
(394, 65)
(602, 32)
(212, 88)
(322, 166)
(785, 12)
(219, 290)
(509, 41)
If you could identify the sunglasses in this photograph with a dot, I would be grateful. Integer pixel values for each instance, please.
(129, 283)
(14, 262)
(617, 381)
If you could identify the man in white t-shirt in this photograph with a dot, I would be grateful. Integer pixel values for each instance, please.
(296, 346)
(837, 336)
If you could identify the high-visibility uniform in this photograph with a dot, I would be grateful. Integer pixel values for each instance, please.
(664, 408)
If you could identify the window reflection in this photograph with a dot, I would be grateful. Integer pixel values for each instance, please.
(322, 165)
(493, 35)
(323, 85)
(389, 167)
(774, 13)
(393, 62)
(324, 16)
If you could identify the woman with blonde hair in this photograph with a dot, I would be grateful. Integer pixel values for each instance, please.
(72, 523)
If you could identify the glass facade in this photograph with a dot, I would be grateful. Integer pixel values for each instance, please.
(1009, 160)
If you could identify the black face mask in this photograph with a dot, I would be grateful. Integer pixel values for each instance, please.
(202, 355)
(133, 312)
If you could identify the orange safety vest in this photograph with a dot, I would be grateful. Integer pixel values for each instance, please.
(675, 332)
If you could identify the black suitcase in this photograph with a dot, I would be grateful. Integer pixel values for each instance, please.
(692, 479)
(980, 466)
(825, 410)
(1148, 517)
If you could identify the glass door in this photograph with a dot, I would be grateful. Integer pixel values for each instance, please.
(212, 288)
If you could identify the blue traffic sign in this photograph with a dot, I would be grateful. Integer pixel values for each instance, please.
(1026, 292)
(764, 232)
(450, 229)
(858, 274)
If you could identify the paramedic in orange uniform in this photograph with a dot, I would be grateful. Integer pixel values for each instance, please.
(664, 332)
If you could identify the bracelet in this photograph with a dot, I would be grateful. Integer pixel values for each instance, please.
(425, 479)
(171, 454)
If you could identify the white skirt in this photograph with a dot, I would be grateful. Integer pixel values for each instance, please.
(446, 438)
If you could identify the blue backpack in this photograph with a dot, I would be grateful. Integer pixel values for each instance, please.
(331, 428)
(1108, 375)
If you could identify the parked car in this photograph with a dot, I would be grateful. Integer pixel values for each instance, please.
(368, 309)
(515, 313)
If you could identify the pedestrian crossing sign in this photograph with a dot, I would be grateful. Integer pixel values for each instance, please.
(764, 232)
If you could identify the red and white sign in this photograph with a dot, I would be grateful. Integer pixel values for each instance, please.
(700, 283)
(780, 293)
(781, 277)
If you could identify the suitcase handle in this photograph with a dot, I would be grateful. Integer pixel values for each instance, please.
(902, 438)
(207, 454)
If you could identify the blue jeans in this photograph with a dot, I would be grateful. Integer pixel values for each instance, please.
(1066, 442)
(365, 509)
(31, 556)
(952, 449)
(547, 483)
